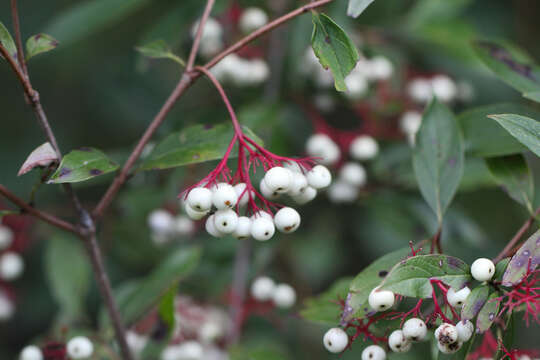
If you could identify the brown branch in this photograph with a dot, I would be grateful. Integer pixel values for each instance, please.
(17, 70)
(198, 35)
(18, 39)
(522, 230)
(187, 79)
(48, 218)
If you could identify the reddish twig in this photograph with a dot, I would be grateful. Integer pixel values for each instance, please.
(198, 35)
(522, 230)
(18, 38)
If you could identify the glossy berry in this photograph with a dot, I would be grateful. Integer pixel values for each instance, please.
(284, 296)
(80, 347)
(11, 266)
(194, 214)
(262, 228)
(335, 340)
(414, 329)
(449, 348)
(278, 179)
(353, 174)
(160, 221)
(482, 269)
(306, 195)
(398, 343)
(224, 196)
(323, 148)
(457, 298)
(381, 300)
(465, 330)
(446, 334)
(243, 228)
(252, 18)
(287, 220)
(6, 237)
(373, 352)
(31, 352)
(200, 199)
(364, 147)
(319, 177)
(262, 289)
(210, 227)
(225, 221)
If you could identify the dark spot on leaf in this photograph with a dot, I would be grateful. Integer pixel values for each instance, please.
(208, 126)
(453, 262)
(478, 306)
(64, 171)
(501, 54)
(383, 273)
(327, 39)
(95, 172)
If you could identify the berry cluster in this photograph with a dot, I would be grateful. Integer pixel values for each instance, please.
(264, 289)
(79, 347)
(164, 226)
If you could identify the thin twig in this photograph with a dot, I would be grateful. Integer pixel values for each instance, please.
(18, 38)
(17, 70)
(522, 230)
(51, 219)
(198, 35)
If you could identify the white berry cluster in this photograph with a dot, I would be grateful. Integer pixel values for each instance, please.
(211, 39)
(80, 347)
(251, 19)
(241, 72)
(222, 201)
(164, 226)
(264, 289)
(422, 90)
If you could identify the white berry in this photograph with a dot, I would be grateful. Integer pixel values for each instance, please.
(11, 266)
(457, 298)
(482, 269)
(31, 352)
(226, 221)
(183, 225)
(262, 289)
(210, 227)
(342, 192)
(449, 348)
(398, 343)
(278, 179)
(6, 237)
(420, 90)
(335, 340)
(305, 196)
(357, 85)
(212, 30)
(364, 147)
(298, 185)
(262, 213)
(284, 296)
(160, 221)
(353, 173)
(414, 329)
(446, 334)
(200, 199)
(194, 214)
(465, 330)
(319, 177)
(410, 122)
(224, 196)
(323, 148)
(381, 67)
(6, 307)
(243, 228)
(80, 347)
(242, 194)
(267, 192)
(373, 352)
(381, 300)
(136, 342)
(262, 228)
(189, 350)
(252, 18)
(287, 220)
(444, 88)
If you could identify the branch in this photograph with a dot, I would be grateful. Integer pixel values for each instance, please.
(18, 72)
(187, 79)
(198, 35)
(48, 218)
(18, 40)
(522, 230)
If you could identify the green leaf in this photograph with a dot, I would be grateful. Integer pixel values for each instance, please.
(80, 165)
(192, 145)
(38, 44)
(261, 352)
(369, 278)
(166, 307)
(159, 50)
(524, 129)
(500, 269)
(7, 42)
(488, 314)
(68, 273)
(412, 277)
(357, 7)
(333, 48)
(513, 174)
(324, 308)
(474, 302)
(90, 16)
(438, 157)
(534, 96)
(528, 252)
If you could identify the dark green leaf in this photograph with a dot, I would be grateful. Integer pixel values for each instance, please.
(524, 129)
(333, 48)
(159, 50)
(324, 308)
(369, 278)
(488, 314)
(528, 252)
(80, 165)
(357, 7)
(474, 302)
(192, 145)
(438, 157)
(513, 174)
(7, 42)
(411, 277)
(68, 273)
(38, 44)
(500, 269)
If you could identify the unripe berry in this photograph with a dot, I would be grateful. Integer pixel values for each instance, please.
(31, 352)
(353, 174)
(287, 220)
(212, 30)
(194, 214)
(160, 221)
(446, 334)
(243, 228)
(465, 330)
(319, 177)
(299, 183)
(80, 347)
(335, 340)
(6, 307)
(398, 343)
(324, 148)
(262, 228)
(224, 196)
(252, 18)
(266, 192)
(381, 300)
(444, 88)
(457, 298)
(449, 348)
(6, 237)
(284, 296)
(420, 90)
(482, 269)
(373, 352)
(305, 196)
(210, 227)
(415, 329)
(183, 225)
(364, 147)
(11, 266)
(200, 199)
(225, 221)
(242, 194)
(278, 179)
(263, 288)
